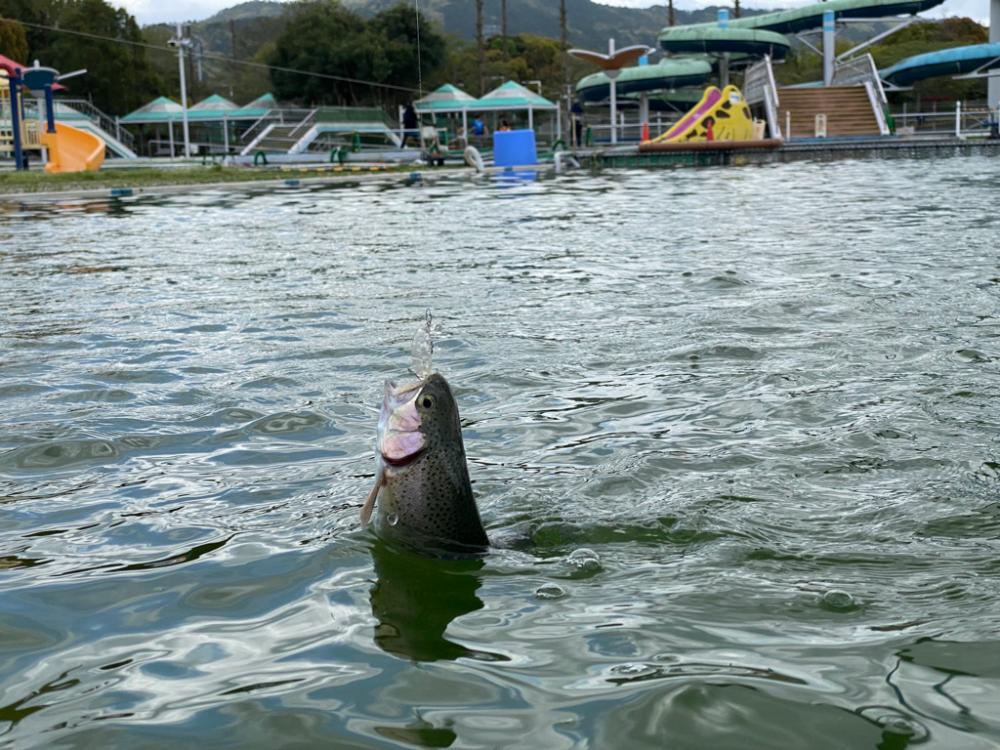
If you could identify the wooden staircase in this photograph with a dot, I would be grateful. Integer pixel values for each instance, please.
(848, 111)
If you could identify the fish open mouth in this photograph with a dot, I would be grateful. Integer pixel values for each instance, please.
(403, 460)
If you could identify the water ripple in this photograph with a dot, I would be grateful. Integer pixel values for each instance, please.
(739, 457)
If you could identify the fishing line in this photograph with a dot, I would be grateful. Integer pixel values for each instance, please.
(420, 68)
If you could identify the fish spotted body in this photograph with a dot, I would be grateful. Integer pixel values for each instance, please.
(422, 485)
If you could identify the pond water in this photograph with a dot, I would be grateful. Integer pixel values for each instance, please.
(735, 434)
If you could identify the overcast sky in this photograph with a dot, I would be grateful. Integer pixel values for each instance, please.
(155, 11)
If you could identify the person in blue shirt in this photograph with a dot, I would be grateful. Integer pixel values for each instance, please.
(479, 129)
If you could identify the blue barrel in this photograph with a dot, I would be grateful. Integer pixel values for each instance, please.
(514, 148)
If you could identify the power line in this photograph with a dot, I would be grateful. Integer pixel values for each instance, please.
(220, 58)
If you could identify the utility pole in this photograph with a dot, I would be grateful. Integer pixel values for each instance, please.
(671, 18)
(479, 44)
(564, 47)
(736, 9)
(180, 42)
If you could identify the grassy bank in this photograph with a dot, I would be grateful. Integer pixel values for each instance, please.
(37, 181)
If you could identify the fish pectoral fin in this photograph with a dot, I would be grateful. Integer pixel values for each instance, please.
(369, 506)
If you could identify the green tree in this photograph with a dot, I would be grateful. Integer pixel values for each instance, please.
(321, 36)
(34, 13)
(119, 77)
(324, 37)
(13, 40)
(524, 57)
(398, 54)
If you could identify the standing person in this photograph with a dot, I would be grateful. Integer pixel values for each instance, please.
(504, 125)
(709, 128)
(479, 129)
(577, 112)
(410, 124)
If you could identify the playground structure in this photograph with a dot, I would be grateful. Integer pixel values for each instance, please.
(850, 101)
(719, 116)
(63, 147)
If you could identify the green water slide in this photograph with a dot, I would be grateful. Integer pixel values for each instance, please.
(811, 16)
(717, 40)
(670, 73)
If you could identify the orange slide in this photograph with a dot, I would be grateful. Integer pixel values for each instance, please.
(72, 150)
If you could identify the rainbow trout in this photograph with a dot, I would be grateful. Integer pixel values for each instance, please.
(422, 483)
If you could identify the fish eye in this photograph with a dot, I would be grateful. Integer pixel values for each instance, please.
(427, 401)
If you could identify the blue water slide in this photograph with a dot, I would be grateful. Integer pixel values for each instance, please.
(943, 62)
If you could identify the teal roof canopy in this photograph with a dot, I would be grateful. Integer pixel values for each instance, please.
(257, 108)
(512, 95)
(161, 109)
(213, 103)
(446, 98)
(214, 108)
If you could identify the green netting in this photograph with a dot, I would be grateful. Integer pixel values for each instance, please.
(350, 114)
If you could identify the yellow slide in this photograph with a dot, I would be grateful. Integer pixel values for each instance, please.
(72, 149)
(726, 112)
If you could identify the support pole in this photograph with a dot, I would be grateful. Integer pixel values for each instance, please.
(15, 118)
(644, 116)
(172, 154)
(225, 134)
(184, 102)
(613, 75)
(50, 110)
(829, 46)
(723, 58)
(993, 87)
(958, 119)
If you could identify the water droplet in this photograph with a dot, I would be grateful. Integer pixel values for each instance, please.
(392, 519)
(838, 601)
(550, 591)
(423, 349)
(584, 562)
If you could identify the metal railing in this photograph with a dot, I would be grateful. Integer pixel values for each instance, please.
(878, 108)
(859, 70)
(306, 122)
(107, 123)
(759, 87)
(259, 125)
(962, 121)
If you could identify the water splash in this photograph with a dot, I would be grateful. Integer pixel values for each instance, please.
(423, 348)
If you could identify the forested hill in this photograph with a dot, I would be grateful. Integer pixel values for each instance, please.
(589, 24)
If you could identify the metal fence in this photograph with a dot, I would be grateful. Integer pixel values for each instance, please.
(963, 121)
